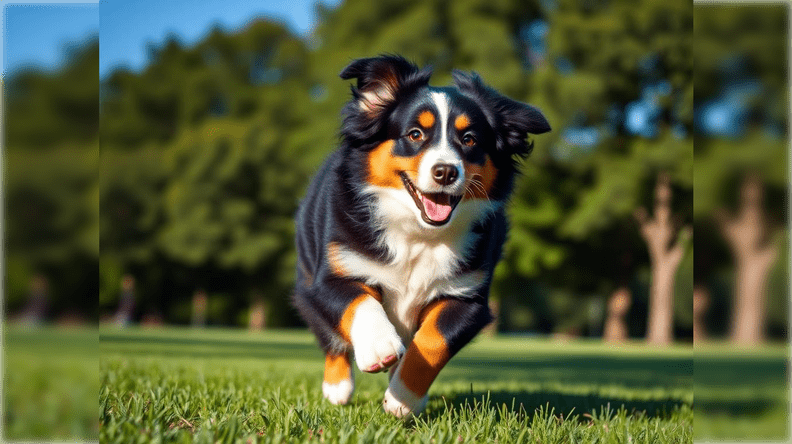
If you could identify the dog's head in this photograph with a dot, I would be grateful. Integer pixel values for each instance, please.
(426, 151)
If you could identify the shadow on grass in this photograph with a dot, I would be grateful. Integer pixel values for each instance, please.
(561, 403)
(634, 372)
(745, 408)
(203, 348)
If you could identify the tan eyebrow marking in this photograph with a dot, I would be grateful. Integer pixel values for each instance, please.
(426, 119)
(461, 122)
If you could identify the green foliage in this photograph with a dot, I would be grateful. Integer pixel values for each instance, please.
(131, 209)
(51, 195)
(267, 388)
(619, 180)
(48, 109)
(51, 186)
(110, 274)
(756, 37)
(572, 215)
(683, 291)
(204, 160)
(223, 75)
(18, 273)
(742, 45)
(231, 197)
(721, 163)
(777, 309)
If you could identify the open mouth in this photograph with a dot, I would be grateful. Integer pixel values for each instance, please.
(436, 208)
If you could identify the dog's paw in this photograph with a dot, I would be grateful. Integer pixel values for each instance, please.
(376, 344)
(401, 401)
(379, 351)
(339, 393)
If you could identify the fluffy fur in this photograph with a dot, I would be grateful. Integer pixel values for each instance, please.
(401, 229)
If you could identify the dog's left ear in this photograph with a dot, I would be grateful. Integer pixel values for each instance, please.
(380, 79)
(511, 120)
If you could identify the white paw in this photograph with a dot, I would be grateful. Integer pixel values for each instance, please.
(340, 393)
(400, 401)
(375, 341)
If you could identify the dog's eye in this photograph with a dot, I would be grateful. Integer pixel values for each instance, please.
(469, 140)
(415, 135)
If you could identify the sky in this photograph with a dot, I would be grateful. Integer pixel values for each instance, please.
(37, 33)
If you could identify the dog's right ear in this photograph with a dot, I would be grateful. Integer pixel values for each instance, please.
(511, 120)
(380, 79)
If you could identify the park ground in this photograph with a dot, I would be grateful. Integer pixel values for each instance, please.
(216, 384)
(222, 385)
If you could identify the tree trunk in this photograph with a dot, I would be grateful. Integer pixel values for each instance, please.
(665, 256)
(748, 325)
(748, 236)
(701, 300)
(616, 329)
(258, 314)
(200, 304)
(661, 303)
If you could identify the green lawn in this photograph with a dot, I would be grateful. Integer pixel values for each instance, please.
(233, 386)
(50, 382)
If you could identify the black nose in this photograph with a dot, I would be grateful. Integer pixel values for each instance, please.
(445, 174)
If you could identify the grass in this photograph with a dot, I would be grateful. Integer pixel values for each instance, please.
(180, 385)
(741, 394)
(50, 381)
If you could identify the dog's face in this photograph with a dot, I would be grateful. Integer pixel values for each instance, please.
(430, 153)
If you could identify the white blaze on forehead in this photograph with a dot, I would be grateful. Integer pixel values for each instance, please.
(440, 153)
(441, 102)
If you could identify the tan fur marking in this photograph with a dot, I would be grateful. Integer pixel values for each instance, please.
(485, 174)
(370, 291)
(461, 122)
(334, 260)
(428, 352)
(384, 167)
(426, 119)
(337, 368)
(345, 326)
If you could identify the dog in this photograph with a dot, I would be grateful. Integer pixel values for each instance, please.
(401, 228)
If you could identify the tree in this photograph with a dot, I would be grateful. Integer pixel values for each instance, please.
(51, 186)
(742, 160)
(618, 81)
(198, 174)
(665, 253)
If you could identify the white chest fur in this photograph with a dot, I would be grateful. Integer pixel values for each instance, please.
(420, 272)
(425, 261)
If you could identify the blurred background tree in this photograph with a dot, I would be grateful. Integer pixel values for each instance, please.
(51, 164)
(742, 155)
(200, 156)
(615, 77)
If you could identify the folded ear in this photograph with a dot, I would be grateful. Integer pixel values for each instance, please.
(381, 79)
(511, 120)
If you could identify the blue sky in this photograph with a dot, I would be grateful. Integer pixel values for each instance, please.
(37, 33)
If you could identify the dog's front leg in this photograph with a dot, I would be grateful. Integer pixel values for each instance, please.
(445, 326)
(365, 325)
(347, 315)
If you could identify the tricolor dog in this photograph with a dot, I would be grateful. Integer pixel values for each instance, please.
(401, 228)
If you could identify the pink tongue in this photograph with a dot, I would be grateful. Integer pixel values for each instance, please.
(438, 212)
